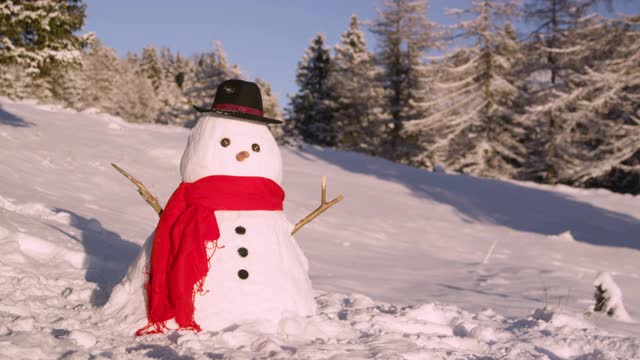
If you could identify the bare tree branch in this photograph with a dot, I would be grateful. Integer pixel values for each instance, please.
(324, 205)
(142, 190)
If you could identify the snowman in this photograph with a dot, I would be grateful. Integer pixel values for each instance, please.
(223, 251)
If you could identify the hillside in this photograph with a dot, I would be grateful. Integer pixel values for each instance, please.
(398, 265)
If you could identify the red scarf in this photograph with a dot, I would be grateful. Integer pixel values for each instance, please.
(179, 261)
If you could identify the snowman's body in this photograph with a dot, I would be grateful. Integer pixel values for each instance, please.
(257, 271)
(255, 244)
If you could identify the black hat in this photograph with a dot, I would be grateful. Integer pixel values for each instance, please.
(241, 99)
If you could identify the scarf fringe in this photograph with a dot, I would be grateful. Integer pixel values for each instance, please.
(160, 327)
(152, 328)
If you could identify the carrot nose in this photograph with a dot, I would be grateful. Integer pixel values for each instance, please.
(242, 155)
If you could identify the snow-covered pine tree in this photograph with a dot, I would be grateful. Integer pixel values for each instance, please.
(591, 112)
(157, 69)
(99, 78)
(168, 64)
(311, 109)
(404, 34)
(135, 100)
(67, 84)
(109, 84)
(553, 21)
(12, 81)
(168, 92)
(36, 34)
(202, 77)
(608, 298)
(181, 70)
(38, 39)
(140, 88)
(473, 128)
(583, 134)
(551, 47)
(614, 92)
(40, 85)
(180, 79)
(358, 107)
(151, 67)
(210, 69)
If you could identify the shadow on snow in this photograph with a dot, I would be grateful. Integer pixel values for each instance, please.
(155, 351)
(499, 202)
(7, 118)
(108, 255)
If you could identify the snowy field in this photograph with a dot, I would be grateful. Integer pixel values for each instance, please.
(402, 268)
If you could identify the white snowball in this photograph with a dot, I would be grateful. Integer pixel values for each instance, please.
(83, 338)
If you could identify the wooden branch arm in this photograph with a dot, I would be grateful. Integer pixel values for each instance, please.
(155, 204)
(324, 205)
(142, 190)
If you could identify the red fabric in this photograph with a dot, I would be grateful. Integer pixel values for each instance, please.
(238, 108)
(179, 261)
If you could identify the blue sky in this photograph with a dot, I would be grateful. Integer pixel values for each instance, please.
(266, 38)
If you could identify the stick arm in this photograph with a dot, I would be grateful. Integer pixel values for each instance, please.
(142, 190)
(155, 204)
(324, 206)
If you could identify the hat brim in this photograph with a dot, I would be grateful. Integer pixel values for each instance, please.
(238, 114)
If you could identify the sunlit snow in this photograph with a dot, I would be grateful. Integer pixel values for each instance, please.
(411, 265)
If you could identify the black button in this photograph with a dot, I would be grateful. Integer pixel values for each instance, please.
(243, 252)
(243, 274)
(241, 230)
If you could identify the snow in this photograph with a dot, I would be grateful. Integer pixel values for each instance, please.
(410, 284)
(612, 302)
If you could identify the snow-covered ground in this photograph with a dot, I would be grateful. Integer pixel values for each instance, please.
(402, 267)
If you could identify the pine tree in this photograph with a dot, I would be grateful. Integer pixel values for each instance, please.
(110, 84)
(42, 56)
(37, 34)
(210, 70)
(554, 21)
(589, 117)
(13, 81)
(100, 73)
(37, 40)
(135, 100)
(180, 71)
(404, 35)
(310, 113)
(613, 89)
(151, 67)
(474, 125)
(608, 298)
(178, 80)
(358, 110)
(576, 139)
(66, 84)
(552, 52)
(168, 64)
(169, 94)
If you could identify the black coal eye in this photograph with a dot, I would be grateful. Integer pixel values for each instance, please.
(255, 147)
(225, 142)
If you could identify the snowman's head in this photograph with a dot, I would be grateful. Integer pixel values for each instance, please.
(221, 145)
